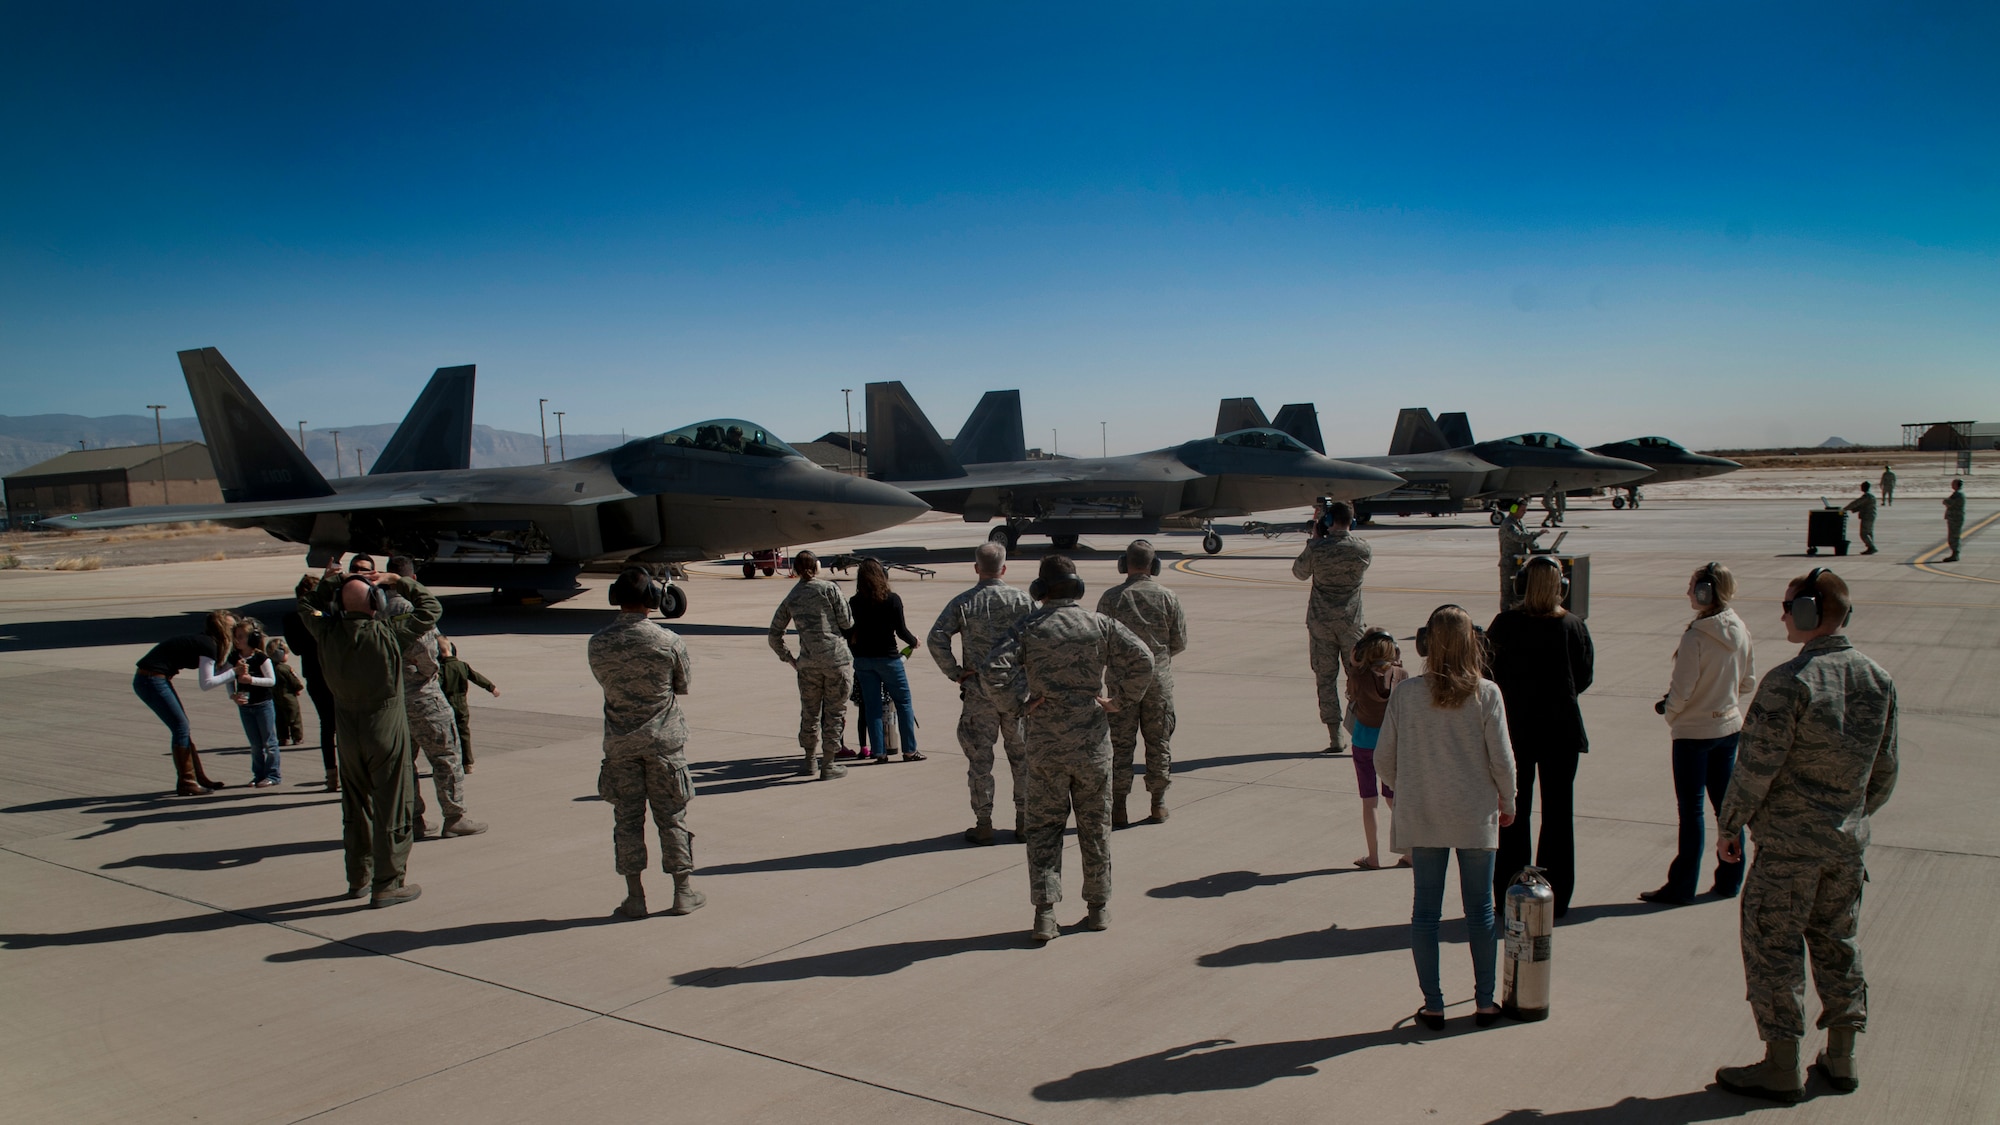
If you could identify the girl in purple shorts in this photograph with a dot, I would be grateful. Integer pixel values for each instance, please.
(1374, 668)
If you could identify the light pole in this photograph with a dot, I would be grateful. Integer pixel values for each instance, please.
(336, 451)
(847, 404)
(1054, 447)
(358, 451)
(543, 409)
(302, 437)
(160, 443)
(562, 451)
(1103, 441)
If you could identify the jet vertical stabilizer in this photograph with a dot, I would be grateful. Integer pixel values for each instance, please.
(902, 443)
(437, 433)
(992, 432)
(1456, 428)
(1417, 432)
(255, 459)
(1239, 414)
(1301, 420)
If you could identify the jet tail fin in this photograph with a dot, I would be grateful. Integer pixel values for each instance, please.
(437, 433)
(1457, 429)
(1416, 432)
(1301, 420)
(255, 459)
(992, 432)
(902, 443)
(1239, 414)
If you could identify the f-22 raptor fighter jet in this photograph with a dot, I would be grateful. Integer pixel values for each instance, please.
(984, 474)
(702, 491)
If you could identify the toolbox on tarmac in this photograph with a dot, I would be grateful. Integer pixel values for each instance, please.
(1826, 527)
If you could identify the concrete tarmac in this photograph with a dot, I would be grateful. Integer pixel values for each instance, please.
(169, 958)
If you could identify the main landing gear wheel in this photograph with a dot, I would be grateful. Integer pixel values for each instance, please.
(674, 602)
(1617, 503)
(1063, 542)
(1212, 543)
(1003, 535)
(1497, 516)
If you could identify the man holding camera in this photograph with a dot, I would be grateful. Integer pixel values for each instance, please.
(1335, 565)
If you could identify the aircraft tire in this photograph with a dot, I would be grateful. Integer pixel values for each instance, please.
(1063, 542)
(1003, 535)
(1618, 503)
(1212, 543)
(674, 603)
(1496, 517)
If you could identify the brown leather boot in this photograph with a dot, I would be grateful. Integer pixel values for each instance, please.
(1159, 809)
(201, 775)
(184, 771)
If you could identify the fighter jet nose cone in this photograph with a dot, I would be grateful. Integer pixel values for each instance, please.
(877, 493)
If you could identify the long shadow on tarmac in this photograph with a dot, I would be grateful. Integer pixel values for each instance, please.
(224, 858)
(207, 922)
(846, 857)
(1190, 765)
(870, 961)
(393, 942)
(1198, 1067)
(1336, 942)
(1229, 882)
(741, 774)
(1711, 1104)
(151, 808)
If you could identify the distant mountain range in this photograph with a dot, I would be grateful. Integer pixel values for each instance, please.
(31, 439)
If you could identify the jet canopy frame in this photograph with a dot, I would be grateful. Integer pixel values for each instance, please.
(1262, 437)
(729, 435)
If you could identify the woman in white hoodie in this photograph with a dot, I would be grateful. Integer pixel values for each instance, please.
(1713, 669)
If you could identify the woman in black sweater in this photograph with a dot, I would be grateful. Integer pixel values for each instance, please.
(878, 665)
(1542, 660)
(153, 683)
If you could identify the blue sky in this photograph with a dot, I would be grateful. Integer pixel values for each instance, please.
(1730, 224)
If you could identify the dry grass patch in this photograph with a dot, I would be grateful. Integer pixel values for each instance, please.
(218, 556)
(9, 562)
(79, 562)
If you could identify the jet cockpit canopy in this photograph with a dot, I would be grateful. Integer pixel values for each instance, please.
(1540, 441)
(1657, 443)
(1262, 438)
(729, 435)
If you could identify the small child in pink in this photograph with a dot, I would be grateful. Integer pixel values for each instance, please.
(1374, 668)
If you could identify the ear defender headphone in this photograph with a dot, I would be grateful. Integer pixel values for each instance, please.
(635, 586)
(1071, 587)
(378, 598)
(1370, 635)
(1704, 586)
(1424, 630)
(1153, 569)
(1804, 606)
(1521, 575)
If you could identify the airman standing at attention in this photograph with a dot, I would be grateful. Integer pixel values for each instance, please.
(1954, 518)
(1516, 544)
(643, 667)
(1863, 506)
(1888, 486)
(825, 667)
(979, 617)
(1818, 760)
(1154, 615)
(433, 727)
(1065, 667)
(1335, 565)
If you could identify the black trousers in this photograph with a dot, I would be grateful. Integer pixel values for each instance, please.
(322, 697)
(1555, 850)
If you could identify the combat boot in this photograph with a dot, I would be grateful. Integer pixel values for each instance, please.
(408, 892)
(981, 833)
(1099, 917)
(1775, 1078)
(1836, 1061)
(1045, 924)
(1119, 817)
(687, 900)
(831, 769)
(461, 825)
(1336, 742)
(1159, 809)
(808, 767)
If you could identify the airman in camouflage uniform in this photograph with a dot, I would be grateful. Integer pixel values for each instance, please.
(1954, 518)
(1335, 565)
(1818, 759)
(1154, 615)
(1863, 507)
(825, 667)
(979, 617)
(1051, 666)
(1516, 542)
(643, 667)
(433, 726)
(1888, 486)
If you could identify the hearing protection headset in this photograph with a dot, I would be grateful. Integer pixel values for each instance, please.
(1152, 569)
(1704, 586)
(378, 598)
(1804, 606)
(1372, 635)
(1424, 630)
(1070, 587)
(635, 586)
(1521, 575)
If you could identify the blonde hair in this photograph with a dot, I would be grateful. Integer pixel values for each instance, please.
(1544, 580)
(276, 647)
(1454, 657)
(1725, 586)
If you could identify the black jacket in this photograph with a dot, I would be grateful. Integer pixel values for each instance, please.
(1542, 664)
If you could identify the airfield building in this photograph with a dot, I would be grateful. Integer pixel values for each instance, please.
(86, 480)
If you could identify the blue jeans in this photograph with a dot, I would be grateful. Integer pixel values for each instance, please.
(1701, 768)
(260, 726)
(1475, 891)
(873, 674)
(158, 693)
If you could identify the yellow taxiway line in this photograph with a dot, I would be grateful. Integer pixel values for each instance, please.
(1923, 562)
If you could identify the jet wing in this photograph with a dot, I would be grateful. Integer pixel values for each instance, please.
(248, 510)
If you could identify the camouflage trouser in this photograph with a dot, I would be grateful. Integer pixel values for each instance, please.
(1327, 654)
(979, 725)
(823, 692)
(629, 785)
(1508, 598)
(1152, 716)
(1058, 783)
(1951, 533)
(434, 732)
(1788, 900)
(1867, 534)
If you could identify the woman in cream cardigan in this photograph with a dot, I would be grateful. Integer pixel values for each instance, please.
(1713, 669)
(1444, 750)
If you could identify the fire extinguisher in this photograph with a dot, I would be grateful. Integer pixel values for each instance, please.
(1530, 920)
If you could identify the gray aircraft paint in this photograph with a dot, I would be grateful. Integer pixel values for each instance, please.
(659, 499)
(437, 433)
(1669, 460)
